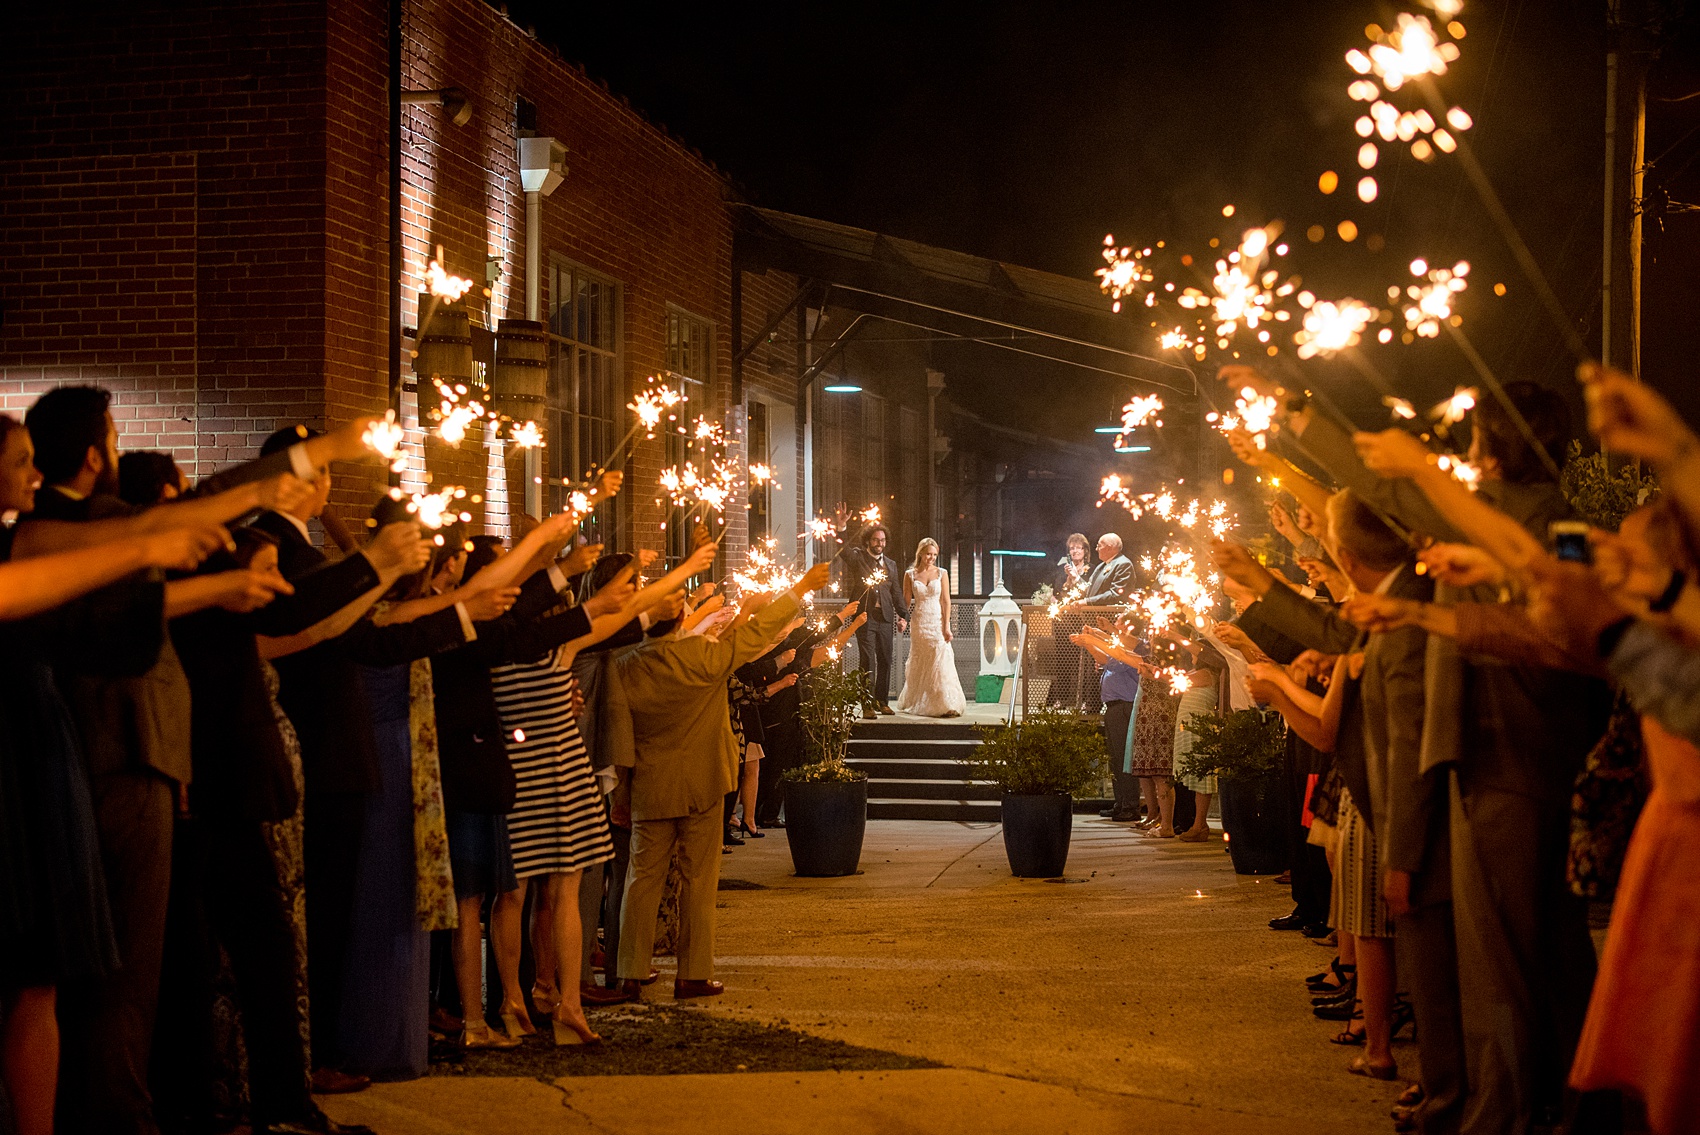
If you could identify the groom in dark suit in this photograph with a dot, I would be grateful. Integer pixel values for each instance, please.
(874, 578)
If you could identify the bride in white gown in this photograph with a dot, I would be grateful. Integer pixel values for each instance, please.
(930, 685)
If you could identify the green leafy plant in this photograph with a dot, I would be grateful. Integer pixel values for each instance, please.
(1599, 495)
(1051, 752)
(832, 701)
(1246, 743)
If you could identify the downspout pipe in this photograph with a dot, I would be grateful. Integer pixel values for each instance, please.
(533, 311)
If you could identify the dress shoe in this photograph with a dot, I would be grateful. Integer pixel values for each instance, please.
(886, 710)
(1285, 878)
(1287, 922)
(632, 990)
(1316, 930)
(1125, 815)
(650, 980)
(685, 989)
(1106, 813)
(331, 1082)
(479, 1035)
(590, 994)
(314, 1122)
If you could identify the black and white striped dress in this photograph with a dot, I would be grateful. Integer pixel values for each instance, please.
(558, 822)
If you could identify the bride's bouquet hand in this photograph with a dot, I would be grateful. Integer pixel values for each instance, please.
(947, 635)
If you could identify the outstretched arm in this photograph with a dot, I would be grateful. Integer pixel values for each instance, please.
(29, 587)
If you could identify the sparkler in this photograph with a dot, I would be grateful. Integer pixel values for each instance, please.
(1431, 304)
(527, 436)
(1122, 272)
(1330, 328)
(434, 510)
(762, 475)
(1451, 411)
(384, 438)
(820, 528)
(1139, 410)
(442, 285)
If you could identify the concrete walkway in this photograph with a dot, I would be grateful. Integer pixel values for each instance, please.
(1143, 993)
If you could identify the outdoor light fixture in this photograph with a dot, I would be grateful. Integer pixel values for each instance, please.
(1110, 430)
(1010, 552)
(451, 99)
(542, 165)
(1133, 449)
(842, 388)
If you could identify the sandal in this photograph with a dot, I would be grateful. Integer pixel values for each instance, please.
(1404, 1013)
(1362, 1067)
(1411, 1096)
(1320, 983)
(1348, 1037)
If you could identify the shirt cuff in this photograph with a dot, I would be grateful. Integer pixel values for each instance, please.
(466, 626)
(299, 463)
(643, 620)
(557, 577)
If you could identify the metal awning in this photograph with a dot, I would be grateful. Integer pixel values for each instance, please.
(953, 294)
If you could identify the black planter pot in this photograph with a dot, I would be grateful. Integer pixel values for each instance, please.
(1253, 817)
(824, 824)
(1036, 832)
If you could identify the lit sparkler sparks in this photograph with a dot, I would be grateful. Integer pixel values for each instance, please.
(1431, 304)
(1139, 410)
(821, 528)
(1331, 327)
(434, 510)
(762, 571)
(527, 435)
(384, 438)
(1450, 412)
(652, 404)
(870, 515)
(688, 486)
(445, 286)
(762, 475)
(1400, 407)
(1462, 471)
(874, 578)
(1122, 272)
(1414, 49)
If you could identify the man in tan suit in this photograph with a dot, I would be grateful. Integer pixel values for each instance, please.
(677, 758)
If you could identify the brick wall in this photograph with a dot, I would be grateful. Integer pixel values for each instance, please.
(162, 184)
(195, 205)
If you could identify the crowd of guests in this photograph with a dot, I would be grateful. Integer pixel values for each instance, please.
(251, 785)
(1492, 717)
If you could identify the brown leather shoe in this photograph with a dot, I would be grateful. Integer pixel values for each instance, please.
(632, 989)
(684, 989)
(330, 1082)
(590, 994)
(650, 980)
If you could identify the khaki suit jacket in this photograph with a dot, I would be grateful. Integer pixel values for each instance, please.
(669, 719)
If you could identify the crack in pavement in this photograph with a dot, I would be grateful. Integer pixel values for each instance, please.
(998, 831)
(567, 1103)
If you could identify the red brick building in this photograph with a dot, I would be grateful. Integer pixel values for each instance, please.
(195, 209)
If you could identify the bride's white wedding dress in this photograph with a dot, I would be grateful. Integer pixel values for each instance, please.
(930, 685)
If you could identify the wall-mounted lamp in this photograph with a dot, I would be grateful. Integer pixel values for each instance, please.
(542, 165)
(1133, 449)
(452, 99)
(842, 388)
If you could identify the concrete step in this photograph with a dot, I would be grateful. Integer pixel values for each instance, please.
(912, 750)
(915, 789)
(972, 811)
(900, 768)
(885, 729)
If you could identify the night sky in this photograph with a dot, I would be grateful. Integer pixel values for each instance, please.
(1026, 131)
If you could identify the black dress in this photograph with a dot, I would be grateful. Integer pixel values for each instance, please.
(54, 921)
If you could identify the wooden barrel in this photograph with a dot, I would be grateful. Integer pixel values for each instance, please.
(445, 344)
(519, 379)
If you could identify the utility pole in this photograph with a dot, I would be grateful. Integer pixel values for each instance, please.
(1628, 55)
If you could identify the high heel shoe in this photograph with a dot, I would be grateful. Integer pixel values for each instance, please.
(475, 1035)
(753, 833)
(516, 1022)
(571, 1033)
(545, 1000)
(1404, 1013)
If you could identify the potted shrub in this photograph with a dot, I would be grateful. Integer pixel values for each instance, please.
(826, 801)
(1040, 764)
(1243, 751)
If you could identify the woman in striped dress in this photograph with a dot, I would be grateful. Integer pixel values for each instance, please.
(557, 829)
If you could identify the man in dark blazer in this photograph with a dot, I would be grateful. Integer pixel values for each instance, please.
(322, 692)
(131, 701)
(874, 578)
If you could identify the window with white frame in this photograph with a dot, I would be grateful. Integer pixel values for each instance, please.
(585, 386)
